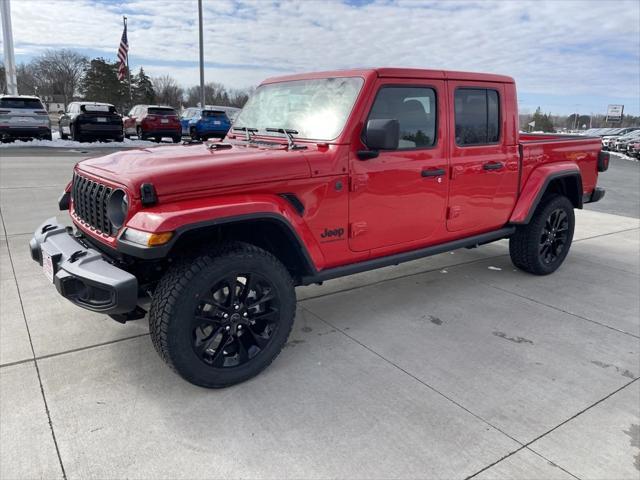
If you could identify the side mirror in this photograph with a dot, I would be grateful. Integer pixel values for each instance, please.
(380, 134)
(60, 112)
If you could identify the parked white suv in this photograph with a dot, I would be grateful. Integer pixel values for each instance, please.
(24, 117)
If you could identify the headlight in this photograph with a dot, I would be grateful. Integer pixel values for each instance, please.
(117, 207)
(146, 239)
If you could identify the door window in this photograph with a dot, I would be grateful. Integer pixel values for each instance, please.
(477, 116)
(414, 108)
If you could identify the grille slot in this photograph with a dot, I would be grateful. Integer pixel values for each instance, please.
(90, 203)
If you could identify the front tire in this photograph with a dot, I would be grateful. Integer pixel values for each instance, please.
(221, 317)
(541, 246)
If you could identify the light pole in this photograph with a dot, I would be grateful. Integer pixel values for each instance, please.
(9, 54)
(202, 103)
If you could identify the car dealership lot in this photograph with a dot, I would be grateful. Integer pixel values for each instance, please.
(445, 367)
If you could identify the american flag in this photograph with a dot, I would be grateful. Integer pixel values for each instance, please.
(123, 51)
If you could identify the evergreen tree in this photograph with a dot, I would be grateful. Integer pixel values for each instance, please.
(543, 121)
(101, 84)
(143, 91)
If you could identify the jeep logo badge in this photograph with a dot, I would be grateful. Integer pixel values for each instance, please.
(336, 232)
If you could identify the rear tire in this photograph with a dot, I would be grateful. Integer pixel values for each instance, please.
(221, 317)
(177, 138)
(541, 246)
(75, 133)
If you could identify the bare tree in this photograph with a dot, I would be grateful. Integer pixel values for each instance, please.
(167, 90)
(58, 72)
(217, 94)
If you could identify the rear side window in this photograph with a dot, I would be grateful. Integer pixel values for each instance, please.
(26, 103)
(415, 110)
(161, 111)
(477, 116)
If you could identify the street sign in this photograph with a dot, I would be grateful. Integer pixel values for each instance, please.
(614, 113)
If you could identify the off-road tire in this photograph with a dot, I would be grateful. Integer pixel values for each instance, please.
(176, 298)
(524, 244)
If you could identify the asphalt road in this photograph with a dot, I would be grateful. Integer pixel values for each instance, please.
(622, 182)
(450, 367)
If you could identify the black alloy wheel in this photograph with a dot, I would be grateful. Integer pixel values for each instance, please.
(554, 235)
(235, 321)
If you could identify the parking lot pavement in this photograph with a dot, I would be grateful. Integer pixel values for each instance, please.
(446, 367)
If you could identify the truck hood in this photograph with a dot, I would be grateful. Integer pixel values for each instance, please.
(189, 168)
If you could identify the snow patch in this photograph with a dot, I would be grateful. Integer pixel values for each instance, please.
(57, 142)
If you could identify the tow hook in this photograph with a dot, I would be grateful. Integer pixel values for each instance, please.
(76, 255)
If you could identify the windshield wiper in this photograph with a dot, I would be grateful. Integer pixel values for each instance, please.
(291, 145)
(248, 132)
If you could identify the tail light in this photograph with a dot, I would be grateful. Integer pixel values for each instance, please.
(603, 161)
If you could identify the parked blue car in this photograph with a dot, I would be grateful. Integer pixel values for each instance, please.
(202, 124)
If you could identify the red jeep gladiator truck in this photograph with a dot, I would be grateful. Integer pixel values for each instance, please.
(323, 175)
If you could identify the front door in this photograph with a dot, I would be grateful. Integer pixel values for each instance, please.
(484, 161)
(399, 197)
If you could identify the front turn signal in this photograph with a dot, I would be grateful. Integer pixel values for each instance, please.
(147, 239)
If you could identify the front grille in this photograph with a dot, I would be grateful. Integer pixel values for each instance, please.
(90, 203)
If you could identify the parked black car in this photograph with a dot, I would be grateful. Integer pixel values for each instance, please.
(90, 121)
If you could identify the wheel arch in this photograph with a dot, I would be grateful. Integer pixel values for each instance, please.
(564, 182)
(268, 231)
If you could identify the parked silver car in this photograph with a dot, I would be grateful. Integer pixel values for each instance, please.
(24, 117)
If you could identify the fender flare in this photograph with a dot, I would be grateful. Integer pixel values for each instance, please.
(536, 186)
(269, 208)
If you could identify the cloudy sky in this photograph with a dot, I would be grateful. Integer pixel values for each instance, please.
(565, 55)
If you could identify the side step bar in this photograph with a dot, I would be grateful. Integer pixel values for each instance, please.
(398, 258)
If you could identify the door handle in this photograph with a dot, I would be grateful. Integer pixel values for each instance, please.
(433, 172)
(493, 166)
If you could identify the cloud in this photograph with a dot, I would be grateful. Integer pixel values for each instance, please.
(570, 48)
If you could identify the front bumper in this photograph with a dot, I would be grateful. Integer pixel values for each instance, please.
(81, 274)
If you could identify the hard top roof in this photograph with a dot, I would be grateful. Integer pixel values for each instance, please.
(388, 72)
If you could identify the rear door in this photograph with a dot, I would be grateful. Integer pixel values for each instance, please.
(399, 197)
(484, 168)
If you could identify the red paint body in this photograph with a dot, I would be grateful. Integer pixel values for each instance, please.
(383, 205)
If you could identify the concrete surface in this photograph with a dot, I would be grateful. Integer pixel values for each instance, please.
(453, 366)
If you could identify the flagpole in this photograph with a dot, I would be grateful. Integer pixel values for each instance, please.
(124, 20)
(202, 96)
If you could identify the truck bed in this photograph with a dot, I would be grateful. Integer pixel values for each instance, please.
(538, 149)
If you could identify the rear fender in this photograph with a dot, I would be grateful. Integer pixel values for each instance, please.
(188, 215)
(540, 181)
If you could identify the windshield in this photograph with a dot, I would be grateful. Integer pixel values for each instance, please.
(316, 109)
